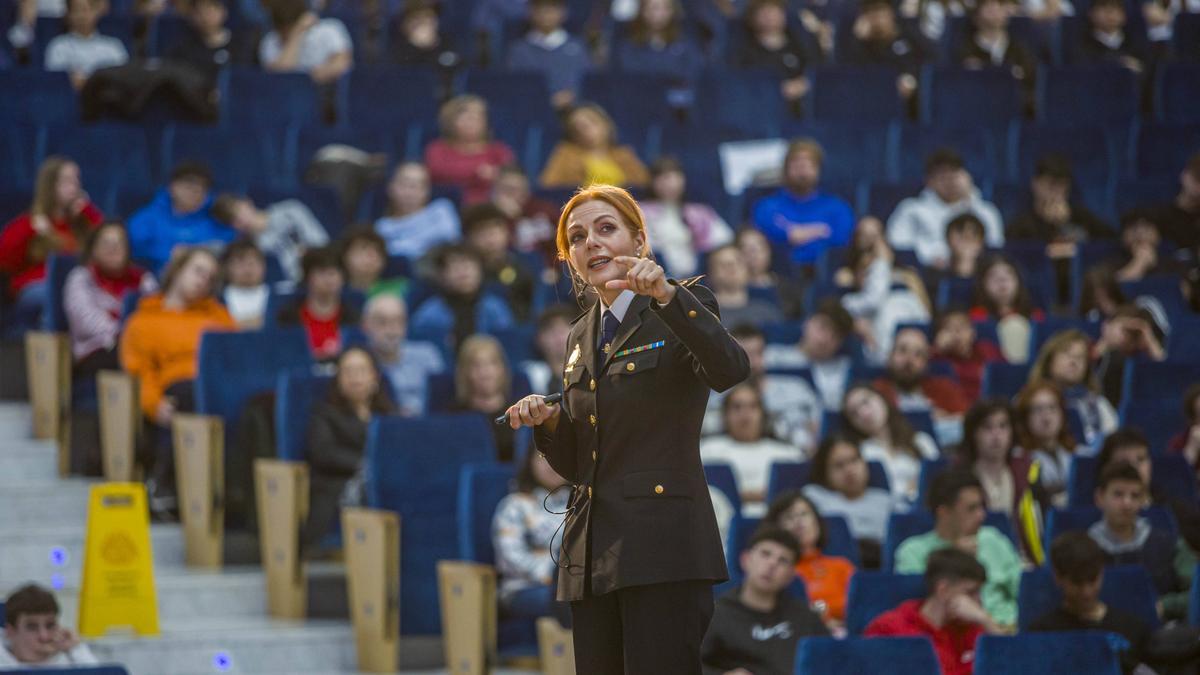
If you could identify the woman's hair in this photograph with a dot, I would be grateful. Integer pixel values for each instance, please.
(180, 260)
(727, 401)
(389, 209)
(381, 400)
(454, 107)
(968, 450)
(470, 348)
(89, 241)
(856, 255)
(820, 461)
(784, 502)
(1022, 303)
(1097, 279)
(619, 199)
(1058, 343)
(663, 165)
(639, 32)
(45, 189)
(1023, 405)
(592, 108)
(901, 432)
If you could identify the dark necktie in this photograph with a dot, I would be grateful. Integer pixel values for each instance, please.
(608, 333)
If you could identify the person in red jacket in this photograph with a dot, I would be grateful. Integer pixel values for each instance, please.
(56, 222)
(465, 156)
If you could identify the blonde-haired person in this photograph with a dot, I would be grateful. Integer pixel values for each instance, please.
(589, 154)
(641, 547)
(1066, 361)
(465, 156)
(483, 384)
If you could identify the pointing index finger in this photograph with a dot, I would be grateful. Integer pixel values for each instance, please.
(627, 260)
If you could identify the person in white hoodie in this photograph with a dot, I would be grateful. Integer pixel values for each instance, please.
(919, 223)
(33, 637)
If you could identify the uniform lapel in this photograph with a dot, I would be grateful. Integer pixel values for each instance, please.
(586, 343)
(633, 321)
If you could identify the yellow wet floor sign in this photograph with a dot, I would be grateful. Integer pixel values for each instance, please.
(118, 563)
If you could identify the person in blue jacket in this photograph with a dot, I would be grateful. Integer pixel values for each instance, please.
(178, 214)
(799, 215)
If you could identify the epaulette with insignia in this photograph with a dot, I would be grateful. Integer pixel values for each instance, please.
(688, 283)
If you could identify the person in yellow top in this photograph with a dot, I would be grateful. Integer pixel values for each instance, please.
(160, 347)
(826, 577)
(589, 154)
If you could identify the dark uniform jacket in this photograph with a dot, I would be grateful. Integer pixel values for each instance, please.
(628, 438)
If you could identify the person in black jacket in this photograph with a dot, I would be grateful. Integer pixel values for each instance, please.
(757, 625)
(641, 548)
(208, 45)
(991, 45)
(1109, 40)
(768, 43)
(337, 439)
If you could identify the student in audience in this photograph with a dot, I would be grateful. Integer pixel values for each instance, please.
(526, 538)
(208, 45)
(460, 308)
(757, 626)
(729, 278)
(82, 50)
(956, 343)
(33, 637)
(1107, 39)
(1180, 218)
(950, 615)
(1065, 360)
(589, 153)
(531, 219)
(826, 578)
(420, 40)
(885, 436)
(179, 214)
(919, 223)
(1044, 436)
(681, 230)
(94, 297)
(799, 215)
(1054, 216)
(160, 348)
(1127, 538)
(957, 501)
(337, 442)
(57, 221)
(746, 446)
(1141, 243)
(878, 39)
(757, 252)
(411, 224)
(364, 259)
(483, 384)
(407, 364)
(1000, 295)
(658, 43)
(486, 231)
(820, 349)
(1187, 441)
(244, 270)
(284, 229)
(841, 487)
(908, 385)
(320, 309)
(550, 50)
(769, 44)
(553, 326)
(965, 243)
(990, 44)
(302, 42)
(465, 156)
(1078, 564)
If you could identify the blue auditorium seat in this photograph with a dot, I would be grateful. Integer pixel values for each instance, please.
(1074, 519)
(1046, 328)
(1162, 150)
(720, 476)
(1178, 87)
(873, 593)
(902, 526)
(1158, 420)
(18, 150)
(742, 103)
(858, 656)
(1087, 95)
(1004, 379)
(957, 98)
(395, 97)
(252, 95)
(519, 112)
(296, 391)
(912, 144)
(784, 333)
(1130, 195)
(58, 266)
(1047, 654)
(795, 475)
(277, 301)
(883, 197)
(637, 102)
(46, 97)
(238, 157)
(855, 92)
(1163, 287)
(1126, 587)
(414, 467)
(1193, 600)
(1170, 477)
(1186, 44)
(854, 149)
(1148, 381)
(1087, 148)
(112, 154)
(929, 469)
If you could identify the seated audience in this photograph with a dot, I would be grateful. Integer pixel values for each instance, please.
(746, 446)
(160, 348)
(1187, 441)
(841, 487)
(1054, 215)
(681, 230)
(729, 278)
(931, 16)
(956, 499)
(757, 626)
(319, 309)
(658, 43)
(919, 223)
(1044, 436)
(820, 349)
(284, 229)
(826, 578)
(1101, 299)
(465, 156)
(885, 436)
(532, 220)
(82, 50)
(1065, 360)
(1141, 249)
(208, 45)
(878, 39)
(757, 252)
(999, 294)
(244, 270)
(411, 224)
(364, 259)
(553, 328)
(589, 153)
(990, 44)
(407, 364)
(483, 384)
(460, 308)
(908, 384)
(337, 442)
(302, 42)
(1180, 218)
(1106, 39)
(950, 615)
(799, 215)
(420, 40)
(94, 298)
(547, 48)
(966, 246)
(526, 535)
(33, 637)
(180, 213)
(486, 231)
(955, 342)
(768, 43)
(1078, 564)
(57, 221)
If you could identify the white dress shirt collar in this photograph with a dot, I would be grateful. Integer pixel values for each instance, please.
(620, 306)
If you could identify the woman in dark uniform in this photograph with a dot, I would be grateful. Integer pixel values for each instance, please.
(640, 550)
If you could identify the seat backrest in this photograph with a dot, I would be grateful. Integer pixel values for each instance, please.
(1129, 588)
(480, 489)
(254, 95)
(1171, 476)
(413, 467)
(1046, 654)
(1081, 518)
(1004, 379)
(863, 93)
(744, 102)
(58, 266)
(720, 476)
(959, 98)
(873, 593)
(795, 475)
(1179, 83)
(232, 367)
(46, 97)
(296, 391)
(929, 469)
(1087, 94)
(854, 656)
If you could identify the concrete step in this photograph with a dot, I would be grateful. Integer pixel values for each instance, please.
(40, 553)
(15, 416)
(24, 461)
(60, 503)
